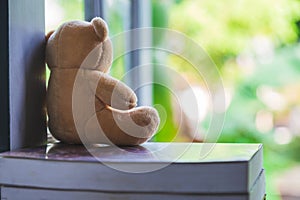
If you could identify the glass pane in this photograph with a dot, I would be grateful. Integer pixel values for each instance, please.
(117, 16)
(255, 46)
(60, 11)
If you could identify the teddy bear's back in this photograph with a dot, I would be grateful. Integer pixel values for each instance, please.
(65, 118)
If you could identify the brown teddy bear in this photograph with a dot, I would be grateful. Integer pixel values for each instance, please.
(84, 103)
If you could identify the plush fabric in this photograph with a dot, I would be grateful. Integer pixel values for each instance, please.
(84, 103)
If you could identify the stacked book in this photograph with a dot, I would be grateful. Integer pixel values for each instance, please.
(151, 171)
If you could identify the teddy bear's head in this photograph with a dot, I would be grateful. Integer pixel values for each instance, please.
(80, 44)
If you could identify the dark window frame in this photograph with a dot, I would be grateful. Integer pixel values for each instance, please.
(4, 81)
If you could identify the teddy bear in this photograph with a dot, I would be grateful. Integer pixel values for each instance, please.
(84, 103)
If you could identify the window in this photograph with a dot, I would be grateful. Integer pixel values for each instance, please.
(257, 57)
(261, 105)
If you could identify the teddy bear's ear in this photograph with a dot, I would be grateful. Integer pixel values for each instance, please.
(48, 35)
(100, 28)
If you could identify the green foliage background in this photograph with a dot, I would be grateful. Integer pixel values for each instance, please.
(225, 29)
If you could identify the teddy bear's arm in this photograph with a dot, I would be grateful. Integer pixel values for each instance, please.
(111, 91)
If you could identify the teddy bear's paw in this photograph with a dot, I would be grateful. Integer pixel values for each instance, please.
(116, 127)
(146, 116)
(123, 97)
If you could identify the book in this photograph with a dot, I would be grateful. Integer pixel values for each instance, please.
(16, 193)
(153, 168)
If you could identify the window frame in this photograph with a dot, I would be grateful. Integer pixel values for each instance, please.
(4, 91)
(22, 74)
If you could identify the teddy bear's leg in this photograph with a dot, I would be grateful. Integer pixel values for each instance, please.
(111, 91)
(131, 127)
